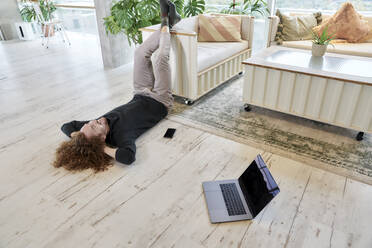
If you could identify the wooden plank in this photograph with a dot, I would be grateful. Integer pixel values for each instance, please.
(332, 98)
(300, 94)
(207, 81)
(258, 88)
(272, 88)
(315, 98)
(285, 91)
(248, 83)
(351, 226)
(213, 81)
(312, 225)
(361, 118)
(347, 103)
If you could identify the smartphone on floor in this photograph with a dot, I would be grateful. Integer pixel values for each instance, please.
(169, 133)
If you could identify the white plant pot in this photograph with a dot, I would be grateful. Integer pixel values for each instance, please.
(318, 50)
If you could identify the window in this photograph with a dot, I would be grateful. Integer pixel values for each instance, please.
(217, 5)
(77, 19)
(363, 6)
(75, 2)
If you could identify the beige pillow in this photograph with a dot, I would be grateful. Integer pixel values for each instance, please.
(219, 28)
(296, 27)
(367, 38)
(346, 24)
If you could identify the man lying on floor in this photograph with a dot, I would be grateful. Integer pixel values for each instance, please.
(120, 127)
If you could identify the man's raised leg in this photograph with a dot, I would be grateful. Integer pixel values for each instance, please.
(143, 76)
(162, 71)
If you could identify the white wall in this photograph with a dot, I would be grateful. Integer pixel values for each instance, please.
(9, 14)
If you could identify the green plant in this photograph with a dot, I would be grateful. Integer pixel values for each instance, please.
(47, 9)
(194, 7)
(28, 13)
(180, 4)
(128, 16)
(247, 7)
(323, 39)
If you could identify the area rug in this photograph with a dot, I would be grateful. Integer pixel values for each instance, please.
(329, 147)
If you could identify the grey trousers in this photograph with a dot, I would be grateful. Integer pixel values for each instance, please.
(154, 80)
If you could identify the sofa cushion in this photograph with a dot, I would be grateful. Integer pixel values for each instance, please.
(368, 38)
(318, 16)
(295, 27)
(346, 24)
(356, 49)
(219, 28)
(211, 53)
(246, 24)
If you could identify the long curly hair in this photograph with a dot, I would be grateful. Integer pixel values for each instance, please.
(81, 153)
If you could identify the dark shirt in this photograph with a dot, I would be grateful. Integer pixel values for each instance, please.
(127, 122)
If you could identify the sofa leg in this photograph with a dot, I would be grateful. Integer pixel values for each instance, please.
(247, 107)
(359, 136)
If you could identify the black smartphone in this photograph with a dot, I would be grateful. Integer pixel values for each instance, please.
(169, 133)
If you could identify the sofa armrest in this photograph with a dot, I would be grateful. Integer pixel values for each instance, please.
(273, 22)
(183, 60)
(177, 31)
(247, 29)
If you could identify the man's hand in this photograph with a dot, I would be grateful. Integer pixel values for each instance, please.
(110, 151)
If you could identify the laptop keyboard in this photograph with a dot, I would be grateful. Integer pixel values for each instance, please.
(232, 199)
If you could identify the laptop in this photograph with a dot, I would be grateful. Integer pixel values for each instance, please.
(242, 198)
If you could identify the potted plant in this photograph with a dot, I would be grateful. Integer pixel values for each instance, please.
(320, 42)
(47, 8)
(128, 16)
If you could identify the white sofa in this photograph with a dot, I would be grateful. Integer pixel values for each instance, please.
(198, 67)
(356, 49)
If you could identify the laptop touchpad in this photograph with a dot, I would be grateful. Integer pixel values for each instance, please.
(215, 200)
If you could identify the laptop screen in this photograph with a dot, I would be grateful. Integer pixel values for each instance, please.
(258, 185)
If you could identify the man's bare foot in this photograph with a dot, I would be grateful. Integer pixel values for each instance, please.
(165, 29)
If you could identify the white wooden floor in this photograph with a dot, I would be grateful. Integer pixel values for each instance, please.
(157, 201)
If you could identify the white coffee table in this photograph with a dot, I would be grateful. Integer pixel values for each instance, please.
(334, 89)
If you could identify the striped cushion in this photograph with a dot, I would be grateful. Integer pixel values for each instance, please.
(219, 28)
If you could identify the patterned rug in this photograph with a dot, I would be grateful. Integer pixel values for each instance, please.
(329, 147)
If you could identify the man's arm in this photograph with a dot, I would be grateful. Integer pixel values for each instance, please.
(124, 155)
(72, 126)
(110, 151)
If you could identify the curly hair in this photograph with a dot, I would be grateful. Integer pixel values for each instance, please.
(81, 153)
